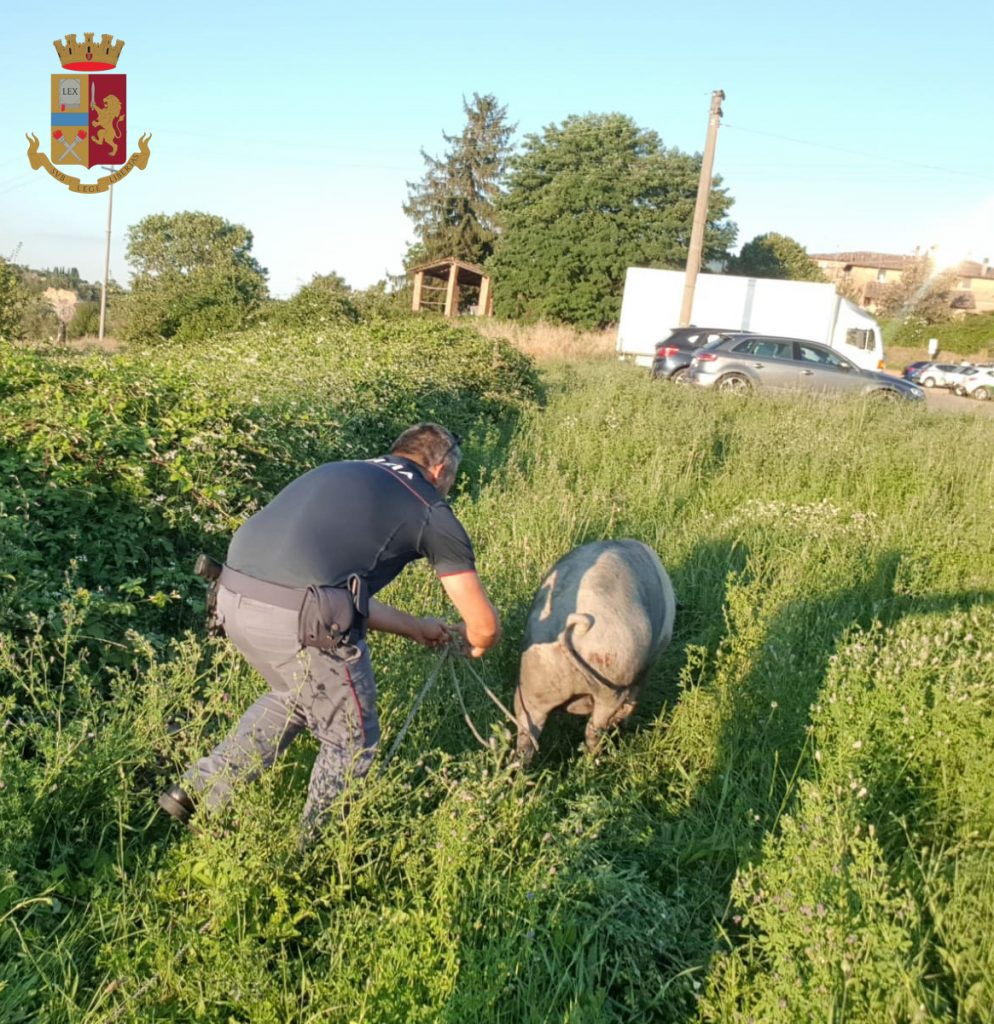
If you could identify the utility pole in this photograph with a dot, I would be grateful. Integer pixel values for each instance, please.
(701, 209)
(103, 287)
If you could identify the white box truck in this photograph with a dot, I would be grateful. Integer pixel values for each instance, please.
(650, 309)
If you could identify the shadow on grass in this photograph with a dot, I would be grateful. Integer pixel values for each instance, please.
(688, 858)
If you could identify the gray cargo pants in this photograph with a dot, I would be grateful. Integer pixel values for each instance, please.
(332, 695)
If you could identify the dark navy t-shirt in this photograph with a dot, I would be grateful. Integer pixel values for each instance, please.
(370, 518)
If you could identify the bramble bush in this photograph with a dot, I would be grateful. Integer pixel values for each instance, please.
(125, 466)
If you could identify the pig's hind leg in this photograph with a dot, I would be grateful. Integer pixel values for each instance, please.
(605, 717)
(531, 721)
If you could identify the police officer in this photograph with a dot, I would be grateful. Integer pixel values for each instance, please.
(345, 530)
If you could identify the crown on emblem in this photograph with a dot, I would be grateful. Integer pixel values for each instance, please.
(88, 55)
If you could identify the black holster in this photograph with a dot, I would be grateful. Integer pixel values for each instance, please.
(332, 616)
(210, 569)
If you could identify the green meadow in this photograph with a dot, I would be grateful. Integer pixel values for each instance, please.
(798, 826)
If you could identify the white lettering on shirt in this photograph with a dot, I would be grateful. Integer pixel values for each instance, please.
(397, 467)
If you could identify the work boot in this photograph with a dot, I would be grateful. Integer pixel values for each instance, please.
(177, 803)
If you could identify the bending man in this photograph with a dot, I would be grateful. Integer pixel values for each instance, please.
(345, 530)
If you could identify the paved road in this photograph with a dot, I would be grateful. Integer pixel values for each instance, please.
(944, 400)
(940, 398)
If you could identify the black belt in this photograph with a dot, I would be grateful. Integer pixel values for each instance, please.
(276, 594)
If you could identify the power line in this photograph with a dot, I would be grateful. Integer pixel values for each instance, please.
(856, 152)
(14, 184)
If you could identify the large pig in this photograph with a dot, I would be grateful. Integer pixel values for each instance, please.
(601, 617)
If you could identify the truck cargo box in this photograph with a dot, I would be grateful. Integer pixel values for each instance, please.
(650, 309)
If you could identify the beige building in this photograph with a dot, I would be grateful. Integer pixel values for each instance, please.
(864, 276)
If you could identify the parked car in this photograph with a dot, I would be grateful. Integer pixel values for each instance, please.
(980, 385)
(963, 378)
(967, 376)
(674, 352)
(908, 373)
(938, 375)
(738, 363)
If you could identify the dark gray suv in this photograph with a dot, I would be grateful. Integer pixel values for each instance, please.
(740, 362)
(674, 352)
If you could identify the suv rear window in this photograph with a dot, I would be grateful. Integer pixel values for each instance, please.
(690, 337)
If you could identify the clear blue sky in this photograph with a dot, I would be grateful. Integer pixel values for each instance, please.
(847, 125)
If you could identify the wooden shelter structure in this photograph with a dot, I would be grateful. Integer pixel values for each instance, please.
(428, 294)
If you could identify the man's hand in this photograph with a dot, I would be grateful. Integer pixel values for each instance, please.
(465, 646)
(430, 632)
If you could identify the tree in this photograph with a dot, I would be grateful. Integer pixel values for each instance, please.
(325, 299)
(453, 207)
(586, 200)
(11, 301)
(921, 294)
(38, 320)
(63, 302)
(193, 273)
(85, 321)
(778, 256)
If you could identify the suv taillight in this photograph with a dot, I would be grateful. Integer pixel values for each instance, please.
(705, 357)
(665, 351)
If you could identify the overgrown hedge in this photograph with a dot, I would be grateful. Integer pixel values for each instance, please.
(115, 470)
(971, 336)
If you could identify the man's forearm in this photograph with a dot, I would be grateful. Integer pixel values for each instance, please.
(387, 619)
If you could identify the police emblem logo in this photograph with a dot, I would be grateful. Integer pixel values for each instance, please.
(88, 115)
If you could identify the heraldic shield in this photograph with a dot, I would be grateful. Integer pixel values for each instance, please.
(88, 126)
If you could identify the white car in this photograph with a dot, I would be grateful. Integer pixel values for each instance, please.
(963, 378)
(956, 380)
(939, 375)
(981, 384)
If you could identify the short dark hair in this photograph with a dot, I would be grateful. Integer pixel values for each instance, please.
(428, 444)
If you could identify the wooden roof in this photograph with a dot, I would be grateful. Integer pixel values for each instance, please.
(467, 273)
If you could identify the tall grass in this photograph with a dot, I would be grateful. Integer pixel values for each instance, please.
(798, 827)
(547, 342)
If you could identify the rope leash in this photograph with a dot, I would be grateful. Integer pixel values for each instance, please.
(486, 689)
(449, 655)
(462, 704)
(419, 700)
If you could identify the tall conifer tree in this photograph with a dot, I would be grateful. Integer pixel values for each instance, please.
(453, 207)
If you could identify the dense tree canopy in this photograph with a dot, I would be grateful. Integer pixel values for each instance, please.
(187, 242)
(192, 273)
(778, 256)
(453, 206)
(921, 293)
(325, 299)
(586, 200)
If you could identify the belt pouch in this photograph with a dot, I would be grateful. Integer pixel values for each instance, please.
(210, 569)
(326, 617)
